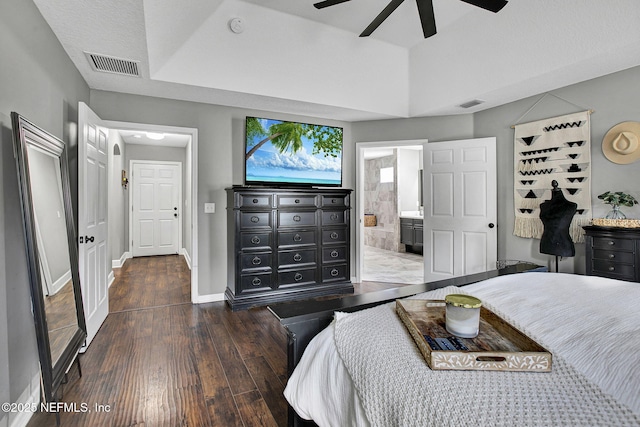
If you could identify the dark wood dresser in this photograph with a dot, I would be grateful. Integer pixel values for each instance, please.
(613, 252)
(286, 244)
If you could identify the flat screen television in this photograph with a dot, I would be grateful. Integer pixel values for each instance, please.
(284, 153)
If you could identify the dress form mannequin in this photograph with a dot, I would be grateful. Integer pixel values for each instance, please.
(556, 215)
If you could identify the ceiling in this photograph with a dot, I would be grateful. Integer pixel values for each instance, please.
(292, 58)
(158, 139)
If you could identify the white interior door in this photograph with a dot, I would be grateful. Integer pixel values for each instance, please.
(155, 207)
(460, 230)
(92, 219)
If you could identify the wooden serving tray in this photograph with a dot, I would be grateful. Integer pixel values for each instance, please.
(498, 346)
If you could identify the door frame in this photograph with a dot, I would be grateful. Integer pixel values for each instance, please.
(359, 214)
(192, 187)
(180, 199)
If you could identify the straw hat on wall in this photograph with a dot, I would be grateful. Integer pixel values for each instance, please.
(621, 144)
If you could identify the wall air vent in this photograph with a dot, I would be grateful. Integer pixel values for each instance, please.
(110, 64)
(471, 103)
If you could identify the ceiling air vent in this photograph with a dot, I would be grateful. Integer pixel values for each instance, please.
(110, 64)
(471, 103)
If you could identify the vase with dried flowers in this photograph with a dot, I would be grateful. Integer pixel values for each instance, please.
(616, 200)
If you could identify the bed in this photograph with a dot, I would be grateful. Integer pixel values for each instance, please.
(364, 369)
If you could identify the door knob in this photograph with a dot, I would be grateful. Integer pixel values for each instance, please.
(491, 225)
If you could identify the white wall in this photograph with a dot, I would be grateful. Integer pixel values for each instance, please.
(408, 171)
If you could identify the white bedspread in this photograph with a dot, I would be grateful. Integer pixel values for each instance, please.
(590, 324)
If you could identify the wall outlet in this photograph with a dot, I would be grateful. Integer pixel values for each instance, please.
(209, 208)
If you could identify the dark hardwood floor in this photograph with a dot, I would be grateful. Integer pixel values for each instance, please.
(159, 360)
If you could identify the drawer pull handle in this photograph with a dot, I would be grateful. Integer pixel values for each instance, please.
(297, 257)
(612, 268)
(297, 218)
(611, 243)
(297, 238)
(611, 256)
(256, 261)
(256, 281)
(298, 277)
(297, 201)
(255, 240)
(334, 272)
(333, 235)
(334, 216)
(334, 254)
(255, 200)
(334, 201)
(255, 219)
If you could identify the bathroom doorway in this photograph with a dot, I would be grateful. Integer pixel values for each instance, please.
(388, 178)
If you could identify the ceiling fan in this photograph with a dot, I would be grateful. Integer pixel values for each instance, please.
(425, 10)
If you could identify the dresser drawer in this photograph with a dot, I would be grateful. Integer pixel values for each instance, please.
(334, 273)
(297, 277)
(338, 235)
(254, 200)
(296, 238)
(334, 217)
(613, 243)
(296, 219)
(297, 201)
(613, 269)
(253, 261)
(334, 200)
(337, 254)
(256, 240)
(255, 220)
(289, 259)
(255, 282)
(614, 256)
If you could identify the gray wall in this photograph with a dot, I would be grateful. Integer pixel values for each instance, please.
(220, 161)
(118, 196)
(614, 99)
(37, 80)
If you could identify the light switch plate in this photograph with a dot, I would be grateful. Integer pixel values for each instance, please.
(209, 208)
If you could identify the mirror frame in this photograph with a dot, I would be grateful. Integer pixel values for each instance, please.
(27, 134)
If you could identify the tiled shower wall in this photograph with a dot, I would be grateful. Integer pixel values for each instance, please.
(381, 199)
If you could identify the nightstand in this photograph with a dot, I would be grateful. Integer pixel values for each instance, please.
(613, 252)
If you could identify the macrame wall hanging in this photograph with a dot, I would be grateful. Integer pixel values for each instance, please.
(558, 149)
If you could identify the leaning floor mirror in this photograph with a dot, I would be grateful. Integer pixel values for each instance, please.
(51, 250)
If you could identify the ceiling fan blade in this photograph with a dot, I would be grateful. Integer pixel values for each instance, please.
(327, 3)
(491, 5)
(393, 5)
(427, 18)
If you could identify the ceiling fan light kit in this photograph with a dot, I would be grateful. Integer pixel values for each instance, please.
(425, 10)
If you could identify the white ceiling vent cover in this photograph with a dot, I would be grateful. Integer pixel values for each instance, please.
(111, 64)
(472, 103)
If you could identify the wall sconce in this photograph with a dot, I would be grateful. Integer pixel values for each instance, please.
(125, 181)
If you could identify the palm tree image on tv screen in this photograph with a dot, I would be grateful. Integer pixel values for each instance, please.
(283, 152)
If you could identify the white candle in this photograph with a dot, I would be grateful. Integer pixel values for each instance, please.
(463, 315)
